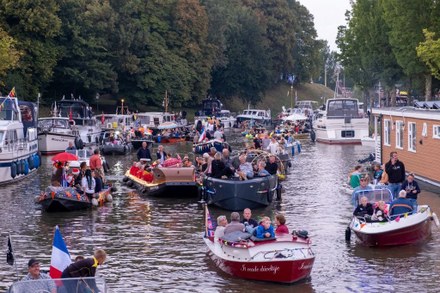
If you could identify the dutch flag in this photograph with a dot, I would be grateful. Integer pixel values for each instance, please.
(60, 256)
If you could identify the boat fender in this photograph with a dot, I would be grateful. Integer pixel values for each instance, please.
(26, 167)
(435, 218)
(79, 143)
(13, 169)
(94, 202)
(37, 161)
(106, 167)
(96, 140)
(31, 162)
(125, 179)
(129, 183)
(19, 169)
(347, 234)
(312, 135)
(112, 189)
(109, 198)
(144, 190)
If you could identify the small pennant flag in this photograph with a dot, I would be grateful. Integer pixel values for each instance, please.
(12, 93)
(397, 219)
(363, 225)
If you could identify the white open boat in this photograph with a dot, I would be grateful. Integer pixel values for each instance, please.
(55, 134)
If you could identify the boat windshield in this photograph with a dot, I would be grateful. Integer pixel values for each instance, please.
(342, 108)
(49, 123)
(8, 109)
(373, 195)
(95, 284)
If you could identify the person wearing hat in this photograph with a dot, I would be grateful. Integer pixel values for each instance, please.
(45, 285)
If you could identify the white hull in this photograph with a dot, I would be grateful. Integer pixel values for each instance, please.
(15, 154)
(89, 134)
(368, 141)
(341, 131)
(52, 143)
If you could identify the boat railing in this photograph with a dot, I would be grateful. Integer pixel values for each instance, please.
(19, 145)
(89, 284)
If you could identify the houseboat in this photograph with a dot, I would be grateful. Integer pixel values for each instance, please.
(341, 122)
(413, 132)
(81, 115)
(18, 139)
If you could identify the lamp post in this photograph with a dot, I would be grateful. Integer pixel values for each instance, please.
(97, 100)
(122, 109)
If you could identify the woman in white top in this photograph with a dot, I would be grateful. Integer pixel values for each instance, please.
(220, 230)
(88, 183)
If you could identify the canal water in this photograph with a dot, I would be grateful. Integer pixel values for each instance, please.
(155, 244)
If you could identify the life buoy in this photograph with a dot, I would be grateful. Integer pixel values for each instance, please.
(26, 167)
(13, 169)
(435, 218)
(31, 162)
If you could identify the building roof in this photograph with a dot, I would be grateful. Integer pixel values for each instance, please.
(410, 112)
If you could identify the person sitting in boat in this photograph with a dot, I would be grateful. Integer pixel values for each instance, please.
(186, 162)
(400, 205)
(262, 172)
(147, 175)
(71, 147)
(249, 223)
(79, 177)
(134, 168)
(88, 184)
(218, 168)
(161, 154)
(44, 284)
(363, 187)
(355, 176)
(364, 209)
(380, 212)
(143, 152)
(265, 230)
(245, 171)
(377, 176)
(411, 187)
(235, 224)
(280, 221)
(271, 165)
(220, 229)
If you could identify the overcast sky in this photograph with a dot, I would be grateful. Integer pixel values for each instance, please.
(328, 15)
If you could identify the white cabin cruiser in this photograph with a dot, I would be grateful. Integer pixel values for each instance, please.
(55, 134)
(18, 139)
(341, 122)
(255, 115)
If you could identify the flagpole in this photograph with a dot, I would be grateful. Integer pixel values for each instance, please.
(13, 258)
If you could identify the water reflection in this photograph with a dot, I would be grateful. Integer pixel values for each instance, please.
(155, 244)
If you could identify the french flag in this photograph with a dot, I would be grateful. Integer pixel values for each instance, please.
(202, 135)
(60, 256)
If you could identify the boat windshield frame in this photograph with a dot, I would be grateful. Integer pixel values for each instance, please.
(373, 195)
(80, 283)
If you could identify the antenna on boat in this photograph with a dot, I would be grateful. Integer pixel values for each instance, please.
(71, 96)
(64, 96)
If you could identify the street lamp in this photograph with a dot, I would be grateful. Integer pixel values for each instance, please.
(97, 99)
(122, 110)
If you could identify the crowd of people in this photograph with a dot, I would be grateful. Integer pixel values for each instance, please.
(262, 229)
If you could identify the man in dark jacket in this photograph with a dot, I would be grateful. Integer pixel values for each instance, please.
(83, 269)
(272, 166)
(396, 174)
(144, 152)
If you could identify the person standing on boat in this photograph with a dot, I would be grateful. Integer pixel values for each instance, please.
(396, 174)
(161, 154)
(42, 282)
(144, 152)
(411, 187)
(364, 186)
(271, 165)
(273, 146)
(95, 161)
(88, 184)
(83, 269)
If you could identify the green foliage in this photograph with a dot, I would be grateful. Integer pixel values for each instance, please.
(429, 52)
(9, 55)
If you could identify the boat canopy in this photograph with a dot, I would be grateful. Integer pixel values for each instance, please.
(373, 195)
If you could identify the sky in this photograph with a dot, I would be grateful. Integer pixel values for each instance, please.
(328, 15)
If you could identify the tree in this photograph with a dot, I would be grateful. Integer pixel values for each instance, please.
(9, 55)
(429, 52)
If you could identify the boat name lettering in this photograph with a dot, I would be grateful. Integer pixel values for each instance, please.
(305, 266)
(58, 139)
(258, 269)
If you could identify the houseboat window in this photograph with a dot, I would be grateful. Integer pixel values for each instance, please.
(412, 137)
(347, 133)
(399, 134)
(387, 132)
(436, 131)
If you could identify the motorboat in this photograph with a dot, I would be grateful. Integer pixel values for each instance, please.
(293, 115)
(83, 284)
(55, 134)
(81, 116)
(18, 139)
(341, 122)
(173, 180)
(67, 199)
(227, 120)
(169, 132)
(112, 143)
(408, 228)
(205, 147)
(83, 155)
(284, 259)
(262, 117)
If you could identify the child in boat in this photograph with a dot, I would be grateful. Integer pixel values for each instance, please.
(280, 221)
(265, 229)
(380, 212)
(354, 177)
(364, 209)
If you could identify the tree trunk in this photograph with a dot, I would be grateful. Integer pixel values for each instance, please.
(392, 94)
(428, 87)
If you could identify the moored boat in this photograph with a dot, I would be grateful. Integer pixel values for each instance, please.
(284, 259)
(55, 134)
(18, 139)
(408, 228)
